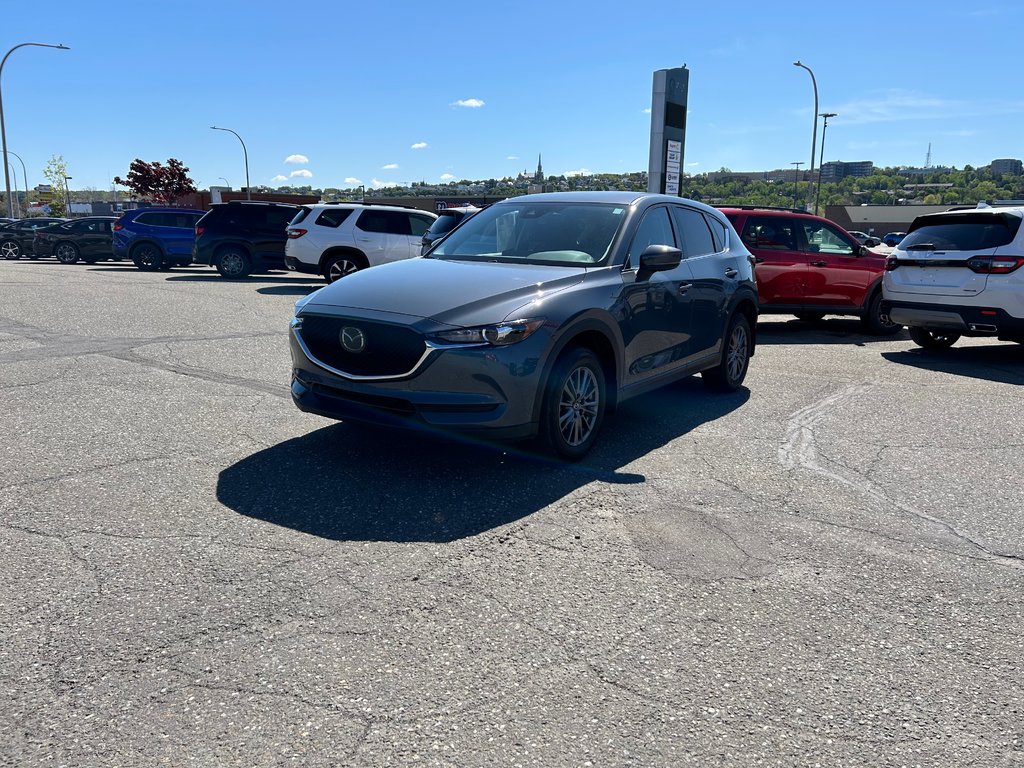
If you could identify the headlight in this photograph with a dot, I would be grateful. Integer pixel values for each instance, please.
(499, 335)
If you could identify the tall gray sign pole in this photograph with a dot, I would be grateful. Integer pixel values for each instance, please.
(668, 130)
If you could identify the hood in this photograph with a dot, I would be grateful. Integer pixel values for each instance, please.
(450, 292)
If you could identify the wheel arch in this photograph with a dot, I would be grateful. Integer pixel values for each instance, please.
(139, 242)
(748, 306)
(227, 244)
(342, 250)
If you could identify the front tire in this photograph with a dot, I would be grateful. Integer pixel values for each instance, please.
(728, 375)
(233, 264)
(66, 253)
(10, 249)
(575, 402)
(933, 339)
(877, 322)
(147, 257)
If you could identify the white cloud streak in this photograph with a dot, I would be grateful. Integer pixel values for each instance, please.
(299, 159)
(390, 167)
(471, 103)
(279, 177)
(352, 180)
(419, 145)
(302, 173)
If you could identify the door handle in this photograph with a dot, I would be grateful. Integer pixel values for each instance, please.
(730, 272)
(684, 287)
(819, 263)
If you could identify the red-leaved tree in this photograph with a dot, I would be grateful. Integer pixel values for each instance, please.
(157, 182)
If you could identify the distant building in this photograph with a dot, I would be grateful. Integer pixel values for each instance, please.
(836, 170)
(1007, 165)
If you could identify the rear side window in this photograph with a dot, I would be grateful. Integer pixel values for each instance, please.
(693, 230)
(418, 225)
(389, 222)
(443, 224)
(303, 212)
(963, 232)
(769, 232)
(329, 217)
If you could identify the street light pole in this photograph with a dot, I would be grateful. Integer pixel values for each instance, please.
(3, 128)
(24, 175)
(245, 154)
(825, 116)
(67, 198)
(814, 134)
(796, 181)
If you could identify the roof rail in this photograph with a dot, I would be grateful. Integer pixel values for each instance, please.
(762, 208)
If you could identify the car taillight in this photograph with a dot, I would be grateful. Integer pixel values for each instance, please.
(994, 265)
(199, 231)
(891, 263)
(294, 233)
(118, 226)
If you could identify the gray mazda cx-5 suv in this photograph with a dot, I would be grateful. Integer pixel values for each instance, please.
(534, 317)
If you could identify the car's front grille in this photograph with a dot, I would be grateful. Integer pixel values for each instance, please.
(359, 347)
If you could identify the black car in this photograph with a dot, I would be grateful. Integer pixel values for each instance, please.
(87, 239)
(535, 316)
(445, 222)
(242, 237)
(16, 238)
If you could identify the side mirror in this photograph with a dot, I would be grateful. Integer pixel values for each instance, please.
(862, 250)
(656, 258)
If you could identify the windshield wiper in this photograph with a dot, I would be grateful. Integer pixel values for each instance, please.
(921, 247)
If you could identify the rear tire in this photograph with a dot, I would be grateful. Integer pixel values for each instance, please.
(10, 249)
(728, 375)
(66, 253)
(875, 321)
(933, 339)
(147, 257)
(342, 265)
(574, 404)
(233, 264)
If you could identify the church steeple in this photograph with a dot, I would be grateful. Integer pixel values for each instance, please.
(538, 177)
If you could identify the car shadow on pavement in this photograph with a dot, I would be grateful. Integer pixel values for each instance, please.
(992, 362)
(356, 483)
(214, 277)
(298, 289)
(831, 330)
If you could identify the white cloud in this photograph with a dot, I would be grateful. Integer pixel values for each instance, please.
(352, 180)
(300, 159)
(447, 177)
(389, 167)
(419, 145)
(692, 165)
(279, 177)
(646, 110)
(302, 172)
(512, 157)
(381, 183)
(580, 172)
(472, 103)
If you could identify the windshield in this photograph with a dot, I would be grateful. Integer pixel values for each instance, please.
(563, 233)
(963, 232)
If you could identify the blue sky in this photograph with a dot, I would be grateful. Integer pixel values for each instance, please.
(343, 93)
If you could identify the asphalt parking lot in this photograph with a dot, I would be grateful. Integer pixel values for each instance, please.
(825, 568)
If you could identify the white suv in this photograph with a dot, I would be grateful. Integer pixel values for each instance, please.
(336, 239)
(958, 273)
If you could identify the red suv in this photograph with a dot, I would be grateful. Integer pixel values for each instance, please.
(810, 267)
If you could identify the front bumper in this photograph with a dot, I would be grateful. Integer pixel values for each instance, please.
(962, 319)
(485, 390)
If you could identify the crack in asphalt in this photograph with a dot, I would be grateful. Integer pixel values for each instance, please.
(799, 451)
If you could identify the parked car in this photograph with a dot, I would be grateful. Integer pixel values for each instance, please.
(337, 239)
(88, 239)
(892, 239)
(445, 222)
(242, 237)
(958, 273)
(156, 238)
(810, 267)
(534, 317)
(864, 238)
(16, 237)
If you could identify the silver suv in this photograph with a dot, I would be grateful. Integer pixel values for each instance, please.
(958, 273)
(337, 239)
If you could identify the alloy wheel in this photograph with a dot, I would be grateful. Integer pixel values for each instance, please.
(578, 406)
(341, 268)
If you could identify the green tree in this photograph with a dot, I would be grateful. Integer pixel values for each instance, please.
(56, 172)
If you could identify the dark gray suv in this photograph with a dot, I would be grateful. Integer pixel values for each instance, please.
(535, 316)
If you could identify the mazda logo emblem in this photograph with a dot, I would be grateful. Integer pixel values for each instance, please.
(353, 340)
